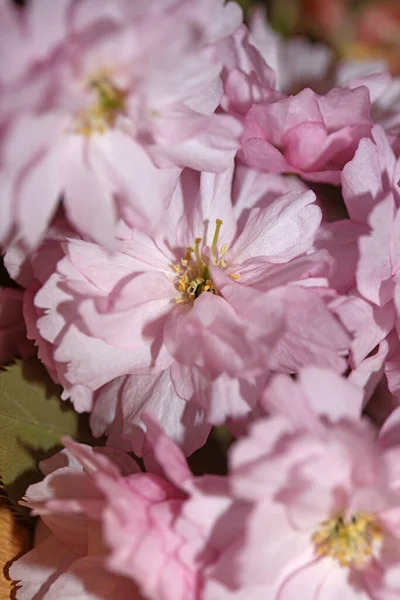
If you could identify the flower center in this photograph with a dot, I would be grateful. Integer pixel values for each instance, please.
(350, 542)
(193, 273)
(109, 103)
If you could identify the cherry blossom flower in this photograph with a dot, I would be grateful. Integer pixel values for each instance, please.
(310, 134)
(312, 503)
(104, 518)
(122, 94)
(68, 558)
(220, 296)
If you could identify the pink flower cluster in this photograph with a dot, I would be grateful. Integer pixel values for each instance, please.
(310, 506)
(205, 222)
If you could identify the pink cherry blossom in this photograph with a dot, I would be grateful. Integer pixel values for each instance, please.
(68, 558)
(310, 134)
(159, 529)
(222, 294)
(105, 518)
(125, 92)
(312, 503)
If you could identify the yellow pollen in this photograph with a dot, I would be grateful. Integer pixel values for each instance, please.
(193, 272)
(109, 103)
(349, 541)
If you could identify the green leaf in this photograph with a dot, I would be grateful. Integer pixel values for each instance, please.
(32, 421)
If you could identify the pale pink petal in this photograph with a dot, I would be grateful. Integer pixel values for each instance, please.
(368, 324)
(312, 334)
(145, 188)
(375, 267)
(263, 156)
(119, 406)
(87, 579)
(161, 450)
(309, 577)
(95, 216)
(6, 208)
(42, 565)
(369, 372)
(280, 232)
(362, 181)
(330, 394)
(212, 150)
(303, 144)
(56, 15)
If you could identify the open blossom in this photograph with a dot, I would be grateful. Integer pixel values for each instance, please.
(313, 503)
(69, 555)
(111, 529)
(115, 101)
(203, 220)
(220, 296)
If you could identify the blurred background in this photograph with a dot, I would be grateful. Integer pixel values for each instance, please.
(355, 29)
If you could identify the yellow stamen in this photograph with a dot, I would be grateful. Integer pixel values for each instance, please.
(197, 243)
(109, 103)
(350, 542)
(193, 272)
(218, 225)
(235, 276)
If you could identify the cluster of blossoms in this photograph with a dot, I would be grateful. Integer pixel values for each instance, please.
(204, 223)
